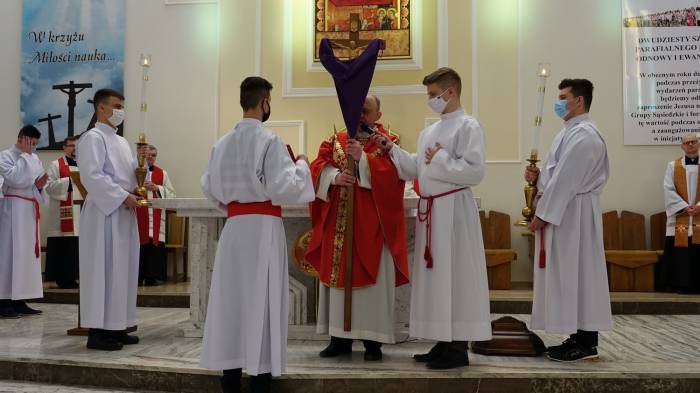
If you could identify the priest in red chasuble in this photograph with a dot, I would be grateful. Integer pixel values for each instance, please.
(379, 251)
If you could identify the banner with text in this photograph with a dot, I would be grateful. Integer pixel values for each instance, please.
(661, 66)
(70, 49)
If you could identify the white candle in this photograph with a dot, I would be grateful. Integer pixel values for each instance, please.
(542, 74)
(145, 63)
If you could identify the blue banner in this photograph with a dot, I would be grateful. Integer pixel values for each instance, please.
(70, 49)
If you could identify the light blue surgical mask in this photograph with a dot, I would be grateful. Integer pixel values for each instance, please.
(560, 108)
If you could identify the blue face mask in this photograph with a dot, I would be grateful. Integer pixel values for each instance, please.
(560, 108)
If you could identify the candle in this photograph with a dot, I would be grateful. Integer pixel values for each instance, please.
(542, 74)
(145, 63)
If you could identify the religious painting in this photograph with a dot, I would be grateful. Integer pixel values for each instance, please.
(70, 49)
(389, 20)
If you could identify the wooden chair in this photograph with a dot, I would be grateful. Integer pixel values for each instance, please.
(176, 242)
(630, 264)
(658, 232)
(499, 255)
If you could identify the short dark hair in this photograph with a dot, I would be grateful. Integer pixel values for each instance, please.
(70, 139)
(579, 87)
(253, 90)
(29, 131)
(376, 99)
(445, 77)
(102, 95)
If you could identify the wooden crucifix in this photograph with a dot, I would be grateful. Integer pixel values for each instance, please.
(52, 137)
(72, 89)
(354, 46)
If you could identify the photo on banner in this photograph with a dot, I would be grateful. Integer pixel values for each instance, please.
(70, 49)
(661, 72)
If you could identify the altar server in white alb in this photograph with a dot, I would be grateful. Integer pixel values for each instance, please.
(20, 263)
(109, 239)
(249, 176)
(449, 293)
(571, 293)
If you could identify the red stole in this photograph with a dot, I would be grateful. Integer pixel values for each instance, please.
(379, 218)
(66, 207)
(142, 215)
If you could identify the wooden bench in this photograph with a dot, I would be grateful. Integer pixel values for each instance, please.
(499, 255)
(630, 264)
(176, 242)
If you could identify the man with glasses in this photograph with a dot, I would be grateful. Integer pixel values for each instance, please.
(679, 269)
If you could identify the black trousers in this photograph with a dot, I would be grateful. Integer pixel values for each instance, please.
(679, 269)
(62, 258)
(153, 262)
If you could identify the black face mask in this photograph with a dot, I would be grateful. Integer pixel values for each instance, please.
(266, 115)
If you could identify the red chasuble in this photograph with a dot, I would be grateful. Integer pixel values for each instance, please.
(142, 215)
(379, 218)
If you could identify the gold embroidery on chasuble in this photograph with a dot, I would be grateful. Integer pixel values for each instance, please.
(341, 216)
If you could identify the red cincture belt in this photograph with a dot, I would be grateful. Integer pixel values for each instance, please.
(426, 217)
(264, 208)
(543, 255)
(37, 216)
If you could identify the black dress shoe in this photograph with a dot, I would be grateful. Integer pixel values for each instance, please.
(122, 337)
(373, 355)
(68, 284)
(8, 312)
(231, 381)
(455, 355)
(21, 308)
(433, 354)
(101, 340)
(260, 383)
(337, 347)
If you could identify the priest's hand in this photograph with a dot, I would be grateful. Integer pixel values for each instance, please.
(303, 157)
(150, 186)
(344, 179)
(692, 210)
(40, 182)
(354, 149)
(430, 153)
(131, 201)
(531, 173)
(537, 224)
(384, 143)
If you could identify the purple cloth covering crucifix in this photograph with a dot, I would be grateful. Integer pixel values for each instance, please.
(352, 79)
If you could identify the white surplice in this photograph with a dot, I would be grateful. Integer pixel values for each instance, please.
(57, 190)
(450, 301)
(109, 240)
(20, 268)
(674, 202)
(571, 293)
(247, 314)
(373, 306)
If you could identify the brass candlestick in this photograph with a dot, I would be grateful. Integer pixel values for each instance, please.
(530, 193)
(141, 171)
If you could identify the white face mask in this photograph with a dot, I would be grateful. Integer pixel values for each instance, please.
(117, 117)
(437, 104)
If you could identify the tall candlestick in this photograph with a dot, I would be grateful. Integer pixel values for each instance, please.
(531, 188)
(542, 74)
(142, 146)
(145, 66)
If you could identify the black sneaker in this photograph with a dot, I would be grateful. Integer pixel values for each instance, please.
(337, 347)
(101, 340)
(260, 383)
(433, 354)
(573, 353)
(568, 343)
(231, 381)
(122, 337)
(450, 358)
(21, 308)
